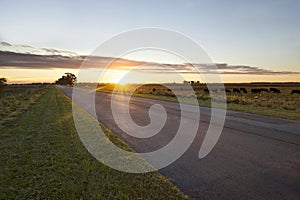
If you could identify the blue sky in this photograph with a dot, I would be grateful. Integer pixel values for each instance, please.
(258, 33)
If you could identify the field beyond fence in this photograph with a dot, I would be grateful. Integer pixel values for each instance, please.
(261, 98)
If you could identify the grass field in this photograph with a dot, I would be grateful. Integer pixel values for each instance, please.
(284, 104)
(42, 157)
(14, 100)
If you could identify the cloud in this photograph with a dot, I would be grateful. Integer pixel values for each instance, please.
(5, 44)
(70, 60)
(27, 49)
(33, 61)
(188, 68)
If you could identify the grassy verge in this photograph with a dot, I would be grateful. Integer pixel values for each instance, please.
(283, 104)
(267, 111)
(275, 105)
(17, 101)
(42, 157)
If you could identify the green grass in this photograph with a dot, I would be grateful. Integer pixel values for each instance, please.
(42, 157)
(14, 101)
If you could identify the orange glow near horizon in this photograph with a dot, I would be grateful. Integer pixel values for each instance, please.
(122, 76)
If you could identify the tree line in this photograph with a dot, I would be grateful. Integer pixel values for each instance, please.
(67, 79)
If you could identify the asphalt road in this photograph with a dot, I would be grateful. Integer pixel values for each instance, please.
(256, 157)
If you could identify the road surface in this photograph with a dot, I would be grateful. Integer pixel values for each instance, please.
(256, 157)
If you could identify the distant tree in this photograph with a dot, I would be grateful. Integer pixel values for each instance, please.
(185, 82)
(69, 79)
(2, 83)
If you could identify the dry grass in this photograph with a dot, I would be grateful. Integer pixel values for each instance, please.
(283, 105)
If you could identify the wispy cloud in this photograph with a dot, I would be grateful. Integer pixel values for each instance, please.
(32, 61)
(52, 58)
(27, 49)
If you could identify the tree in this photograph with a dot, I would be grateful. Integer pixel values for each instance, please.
(2, 83)
(69, 79)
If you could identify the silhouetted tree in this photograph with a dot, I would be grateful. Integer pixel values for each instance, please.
(2, 83)
(69, 79)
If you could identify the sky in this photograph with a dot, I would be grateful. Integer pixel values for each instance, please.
(264, 35)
